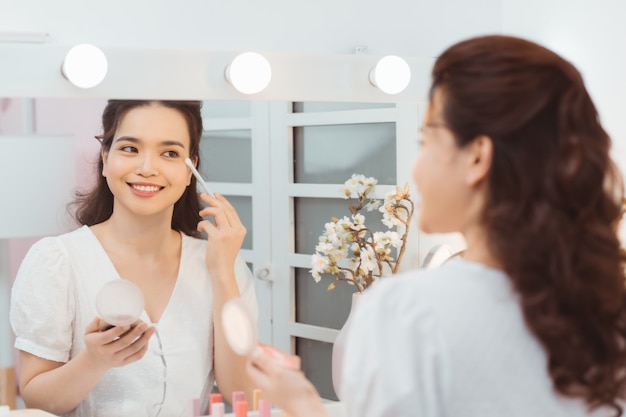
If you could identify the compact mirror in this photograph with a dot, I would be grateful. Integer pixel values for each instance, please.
(119, 303)
(239, 329)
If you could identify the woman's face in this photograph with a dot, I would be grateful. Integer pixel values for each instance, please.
(439, 173)
(145, 167)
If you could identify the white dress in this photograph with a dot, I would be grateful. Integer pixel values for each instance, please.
(53, 300)
(447, 342)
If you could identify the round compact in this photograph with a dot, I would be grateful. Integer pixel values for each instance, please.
(239, 329)
(119, 303)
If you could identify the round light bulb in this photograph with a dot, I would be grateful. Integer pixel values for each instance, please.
(249, 73)
(391, 74)
(85, 65)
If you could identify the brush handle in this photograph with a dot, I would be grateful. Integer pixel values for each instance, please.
(199, 177)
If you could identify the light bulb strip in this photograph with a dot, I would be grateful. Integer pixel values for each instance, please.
(156, 73)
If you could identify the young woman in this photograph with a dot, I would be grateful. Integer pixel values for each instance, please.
(141, 222)
(532, 320)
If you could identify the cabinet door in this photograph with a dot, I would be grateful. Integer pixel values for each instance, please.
(316, 147)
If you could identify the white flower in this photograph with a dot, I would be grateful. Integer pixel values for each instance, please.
(316, 275)
(382, 239)
(390, 218)
(325, 247)
(373, 205)
(359, 185)
(319, 264)
(359, 222)
(368, 258)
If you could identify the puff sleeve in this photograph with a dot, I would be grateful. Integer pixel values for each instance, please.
(43, 302)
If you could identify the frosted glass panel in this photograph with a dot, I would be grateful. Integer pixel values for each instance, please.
(316, 305)
(225, 108)
(316, 106)
(331, 154)
(243, 205)
(316, 365)
(311, 214)
(226, 156)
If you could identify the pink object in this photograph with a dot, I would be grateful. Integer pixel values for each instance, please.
(265, 408)
(287, 360)
(238, 396)
(217, 409)
(194, 407)
(215, 398)
(241, 408)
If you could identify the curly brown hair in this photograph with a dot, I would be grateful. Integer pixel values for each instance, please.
(554, 198)
(96, 205)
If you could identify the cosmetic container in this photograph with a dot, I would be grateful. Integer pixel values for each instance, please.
(119, 303)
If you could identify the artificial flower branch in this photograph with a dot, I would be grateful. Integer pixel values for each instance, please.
(352, 252)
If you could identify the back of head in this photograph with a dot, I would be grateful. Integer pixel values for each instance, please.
(553, 202)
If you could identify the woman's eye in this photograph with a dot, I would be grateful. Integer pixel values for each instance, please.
(128, 149)
(171, 154)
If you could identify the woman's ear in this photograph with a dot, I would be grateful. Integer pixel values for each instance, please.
(105, 156)
(480, 154)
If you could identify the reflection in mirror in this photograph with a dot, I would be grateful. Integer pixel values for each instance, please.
(220, 149)
(349, 138)
(328, 153)
(333, 142)
(331, 152)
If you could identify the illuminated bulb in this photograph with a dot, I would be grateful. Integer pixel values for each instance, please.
(249, 73)
(391, 74)
(85, 66)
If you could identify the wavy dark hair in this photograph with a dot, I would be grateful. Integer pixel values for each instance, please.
(554, 199)
(95, 206)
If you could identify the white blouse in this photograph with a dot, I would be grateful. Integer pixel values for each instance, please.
(53, 301)
(447, 342)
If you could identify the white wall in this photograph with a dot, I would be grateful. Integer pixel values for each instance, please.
(407, 27)
(592, 35)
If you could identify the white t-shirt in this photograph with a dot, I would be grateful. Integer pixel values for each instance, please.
(447, 342)
(53, 301)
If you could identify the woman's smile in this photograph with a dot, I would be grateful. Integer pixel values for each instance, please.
(145, 189)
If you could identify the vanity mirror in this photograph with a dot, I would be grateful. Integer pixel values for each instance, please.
(280, 156)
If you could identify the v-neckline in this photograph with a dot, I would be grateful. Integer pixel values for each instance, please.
(144, 314)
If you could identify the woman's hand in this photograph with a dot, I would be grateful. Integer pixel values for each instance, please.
(58, 387)
(278, 376)
(117, 346)
(225, 235)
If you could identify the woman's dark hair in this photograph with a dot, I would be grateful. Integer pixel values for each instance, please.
(96, 205)
(554, 199)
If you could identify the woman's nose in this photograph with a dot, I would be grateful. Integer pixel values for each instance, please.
(147, 165)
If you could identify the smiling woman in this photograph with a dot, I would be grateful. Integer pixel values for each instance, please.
(140, 222)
